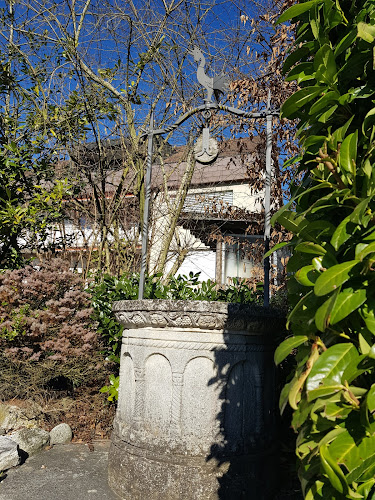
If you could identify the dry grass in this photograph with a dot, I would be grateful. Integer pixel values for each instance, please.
(60, 392)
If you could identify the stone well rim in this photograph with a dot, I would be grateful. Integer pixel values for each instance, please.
(187, 314)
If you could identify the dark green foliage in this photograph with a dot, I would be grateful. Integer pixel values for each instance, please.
(108, 289)
(332, 283)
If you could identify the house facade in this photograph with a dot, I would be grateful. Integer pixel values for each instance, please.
(214, 229)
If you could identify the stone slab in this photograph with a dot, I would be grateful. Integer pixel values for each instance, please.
(65, 472)
(9, 456)
(31, 441)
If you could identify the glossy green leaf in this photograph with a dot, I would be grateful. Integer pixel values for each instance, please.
(358, 249)
(357, 455)
(304, 310)
(331, 366)
(348, 300)
(295, 391)
(367, 311)
(334, 277)
(299, 99)
(297, 10)
(369, 120)
(283, 400)
(333, 471)
(365, 488)
(307, 276)
(370, 399)
(366, 32)
(323, 314)
(339, 134)
(358, 213)
(325, 65)
(334, 410)
(345, 42)
(295, 56)
(341, 235)
(324, 117)
(309, 247)
(324, 390)
(348, 153)
(287, 346)
(282, 244)
(321, 104)
(291, 221)
(301, 72)
(363, 343)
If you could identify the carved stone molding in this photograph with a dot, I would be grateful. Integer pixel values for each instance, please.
(196, 315)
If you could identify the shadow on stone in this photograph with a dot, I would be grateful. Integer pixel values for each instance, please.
(23, 456)
(248, 420)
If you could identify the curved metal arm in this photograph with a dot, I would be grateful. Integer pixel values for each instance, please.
(208, 106)
(268, 113)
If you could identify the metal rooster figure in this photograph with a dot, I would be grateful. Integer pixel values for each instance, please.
(214, 85)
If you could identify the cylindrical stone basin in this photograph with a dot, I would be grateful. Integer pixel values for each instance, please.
(196, 409)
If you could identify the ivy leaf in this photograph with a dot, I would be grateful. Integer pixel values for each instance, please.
(334, 277)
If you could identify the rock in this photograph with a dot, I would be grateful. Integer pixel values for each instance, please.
(13, 418)
(9, 456)
(61, 434)
(2, 431)
(30, 440)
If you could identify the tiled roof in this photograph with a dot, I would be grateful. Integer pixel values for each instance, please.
(234, 159)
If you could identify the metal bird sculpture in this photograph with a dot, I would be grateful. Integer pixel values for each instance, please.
(214, 85)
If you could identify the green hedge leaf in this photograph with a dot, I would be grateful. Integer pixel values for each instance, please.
(366, 32)
(333, 471)
(307, 275)
(331, 366)
(299, 99)
(348, 300)
(310, 247)
(323, 314)
(348, 153)
(341, 235)
(297, 10)
(334, 277)
(287, 346)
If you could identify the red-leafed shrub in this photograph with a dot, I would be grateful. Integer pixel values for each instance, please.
(45, 313)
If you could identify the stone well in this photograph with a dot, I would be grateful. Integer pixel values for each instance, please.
(196, 409)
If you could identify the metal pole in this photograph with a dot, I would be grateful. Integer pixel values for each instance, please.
(146, 207)
(267, 202)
